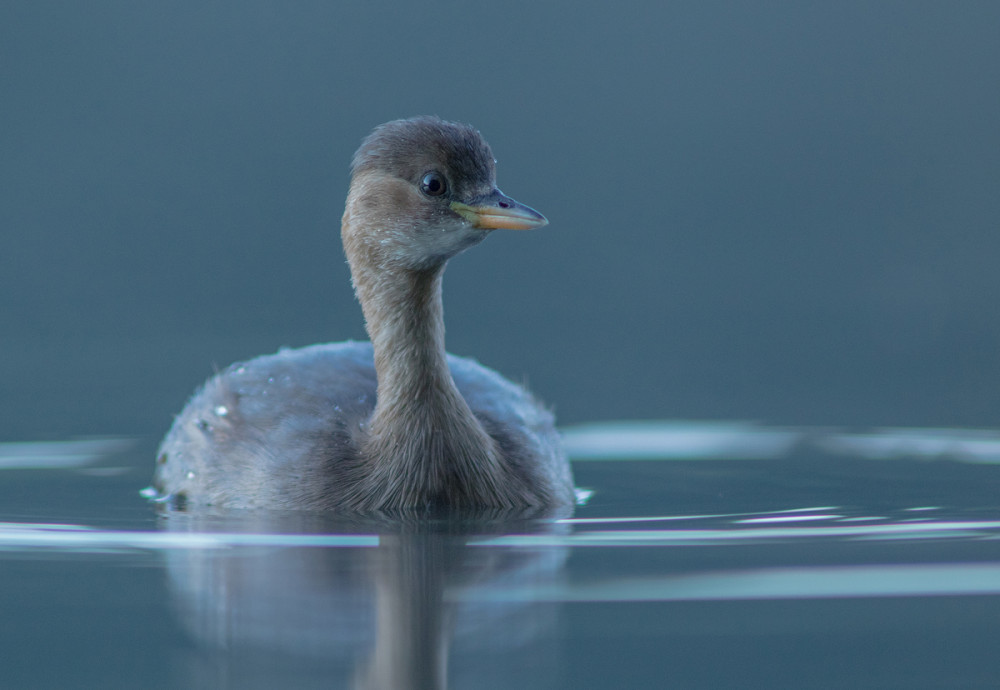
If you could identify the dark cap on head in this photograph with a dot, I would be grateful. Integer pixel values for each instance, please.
(407, 147)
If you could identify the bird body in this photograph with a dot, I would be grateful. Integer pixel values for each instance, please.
(396, 423)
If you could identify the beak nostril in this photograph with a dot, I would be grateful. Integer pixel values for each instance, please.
(504, 204)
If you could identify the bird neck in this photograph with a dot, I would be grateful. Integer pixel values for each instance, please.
(422, 428)
(404, 317)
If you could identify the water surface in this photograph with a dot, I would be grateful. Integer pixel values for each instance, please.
(706, 555)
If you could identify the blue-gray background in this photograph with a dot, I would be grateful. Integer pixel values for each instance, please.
(783, 211)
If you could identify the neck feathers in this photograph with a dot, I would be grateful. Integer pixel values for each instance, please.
(424, 445)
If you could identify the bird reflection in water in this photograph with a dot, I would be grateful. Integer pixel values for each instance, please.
(388, 609)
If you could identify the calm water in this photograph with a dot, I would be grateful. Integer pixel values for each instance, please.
(707, 555)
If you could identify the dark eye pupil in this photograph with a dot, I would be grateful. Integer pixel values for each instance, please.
(432, 184)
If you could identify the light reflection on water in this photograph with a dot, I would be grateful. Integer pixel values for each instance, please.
(61, 454)
(80, 538)
(777, 583)
(659, 440)
(733, 514)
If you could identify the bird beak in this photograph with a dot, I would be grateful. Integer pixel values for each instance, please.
(497, 211)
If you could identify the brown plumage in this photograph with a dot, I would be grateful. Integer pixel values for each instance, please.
(399, 423)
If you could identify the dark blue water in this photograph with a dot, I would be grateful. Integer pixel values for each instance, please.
(706, 555)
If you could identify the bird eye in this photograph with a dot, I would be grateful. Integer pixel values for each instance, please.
(433, 184)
